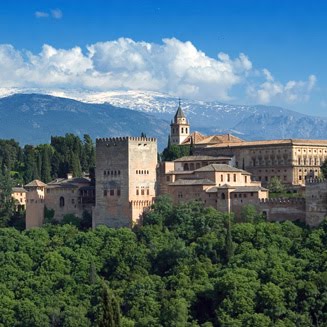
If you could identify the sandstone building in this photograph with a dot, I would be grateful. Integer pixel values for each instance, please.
(19, 196)
(125, 179)
(63, 196)
(224, 172)
(293, 161)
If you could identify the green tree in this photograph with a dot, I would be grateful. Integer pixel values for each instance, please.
(6, 201)
(323, 169)
(276, 186)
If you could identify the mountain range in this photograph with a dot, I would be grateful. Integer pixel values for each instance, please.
(32, 118)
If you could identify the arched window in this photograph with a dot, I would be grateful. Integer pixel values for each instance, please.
(182, 130)
(62, 201)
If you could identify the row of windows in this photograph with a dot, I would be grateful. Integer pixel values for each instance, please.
(272, 170)
(266, 178)
(182, 130)
(142, 172)
(111, 192)
(34, 201)
(142, 191)
(310, 161)
(266, 151)
(58, 190)
(315, 151)
(111, 172)
(244, 195)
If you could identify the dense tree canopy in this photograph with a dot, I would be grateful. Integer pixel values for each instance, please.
(47, 161)
(186, 266)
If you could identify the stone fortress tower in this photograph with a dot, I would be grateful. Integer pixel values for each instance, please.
(125, 179)
(179, 128)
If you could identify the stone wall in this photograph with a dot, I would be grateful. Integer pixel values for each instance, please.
(125, 172)
(283, 209)
(316, 201)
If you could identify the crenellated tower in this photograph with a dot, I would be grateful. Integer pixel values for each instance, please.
(125, 179)
(179, 127)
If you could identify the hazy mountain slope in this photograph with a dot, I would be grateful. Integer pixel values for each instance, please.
(33, 118)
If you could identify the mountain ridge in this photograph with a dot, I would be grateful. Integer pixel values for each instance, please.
(133, 112)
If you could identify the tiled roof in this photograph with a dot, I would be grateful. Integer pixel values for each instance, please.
(240, 189)
(18, 189)
(192, 182)
(249, 189)
(200, 158)
(68, 183)
(221, 168)
(220, 139)
(35, 183)
(268, 142)
(196, 136)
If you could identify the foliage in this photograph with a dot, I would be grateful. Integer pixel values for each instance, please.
(175, 270)
(323, 169)
(276, 186)
(173, 151)
(47, 161)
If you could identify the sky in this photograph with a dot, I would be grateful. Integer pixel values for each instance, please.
(269, 52)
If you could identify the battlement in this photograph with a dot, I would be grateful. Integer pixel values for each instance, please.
(115, 140)
(283, 201)
(312, 181)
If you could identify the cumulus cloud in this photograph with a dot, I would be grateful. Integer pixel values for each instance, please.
(290, 92)
(173, 67)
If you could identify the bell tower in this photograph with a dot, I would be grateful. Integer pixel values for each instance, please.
(179, 127)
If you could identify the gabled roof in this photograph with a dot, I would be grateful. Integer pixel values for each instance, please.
(68, 183)
(195, 136)
(35, 183)
(200, 158)
(220, 139)
(243, 189)
(18, 189)
(192, 182)
(221, 168)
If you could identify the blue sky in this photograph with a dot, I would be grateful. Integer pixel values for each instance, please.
(271, 52)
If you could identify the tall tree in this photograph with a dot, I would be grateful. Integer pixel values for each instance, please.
(6, 201)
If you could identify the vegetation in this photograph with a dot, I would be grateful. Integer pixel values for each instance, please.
(47, 161)
(186, 266)
(323, 169)
(173, 151)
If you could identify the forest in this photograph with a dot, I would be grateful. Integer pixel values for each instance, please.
(47, 161)
(185, 266)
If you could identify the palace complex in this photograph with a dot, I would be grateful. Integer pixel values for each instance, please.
(224, 172)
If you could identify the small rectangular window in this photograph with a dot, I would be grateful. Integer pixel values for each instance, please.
(118, 192)
(105, 193)
(112, 192)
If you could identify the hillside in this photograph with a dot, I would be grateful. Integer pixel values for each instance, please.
(33, 118)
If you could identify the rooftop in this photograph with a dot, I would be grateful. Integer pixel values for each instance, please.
(35, 183)
(221, 168)
(201, 158)
(192, 182)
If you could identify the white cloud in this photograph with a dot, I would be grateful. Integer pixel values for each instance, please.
(56, 13)
(41, 14)
(271, 90)
(173, 67)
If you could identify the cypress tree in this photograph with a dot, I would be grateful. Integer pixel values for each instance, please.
(229, 241)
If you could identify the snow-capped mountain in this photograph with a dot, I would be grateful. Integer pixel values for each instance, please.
(248, 122)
